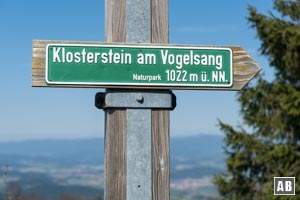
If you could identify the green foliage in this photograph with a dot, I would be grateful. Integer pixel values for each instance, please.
(280, 39)
(271, 109)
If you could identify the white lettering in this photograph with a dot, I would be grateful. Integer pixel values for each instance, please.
(178, 61)
(181, 60)
(164, 55)
(171, 59)
(288, 186)
(187, 59)
(149, 78)
(127, 59)
(90, 57)
(56, 57)
(104, 58)
(63, 55)
(218, 76)
(150, 59)
(140, 59)
(77, 57)
(197, 59)
(117, 58)
(280, 186)
(96, 57)
(69, 57)
(110, 54)
(204, 60)
(219, 62)
(83, 53)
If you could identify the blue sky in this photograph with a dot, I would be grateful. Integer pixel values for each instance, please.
(39, 113)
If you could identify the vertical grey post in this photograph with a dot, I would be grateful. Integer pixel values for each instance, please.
(139, 154)
(136, 121)
(138, 21)
(138, 30)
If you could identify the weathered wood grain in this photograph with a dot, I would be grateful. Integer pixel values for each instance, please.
(160, 21)
(115, 154)
(115, 131)
(160, 154)
(115, 20)
(160, 118)
(244, 67)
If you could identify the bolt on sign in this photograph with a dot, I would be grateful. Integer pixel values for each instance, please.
(138, 65)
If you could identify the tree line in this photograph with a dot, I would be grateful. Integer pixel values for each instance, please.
(270, 147)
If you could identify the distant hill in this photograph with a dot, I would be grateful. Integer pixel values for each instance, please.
(76, 166)
(92, 150)
(197, 147)
(54, 147)
(66, 152)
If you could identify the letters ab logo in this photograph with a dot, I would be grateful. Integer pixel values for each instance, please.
(284, 185)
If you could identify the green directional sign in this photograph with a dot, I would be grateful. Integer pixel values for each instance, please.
(137, 65)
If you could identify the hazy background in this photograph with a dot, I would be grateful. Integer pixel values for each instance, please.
(41, 113)
(51, 140)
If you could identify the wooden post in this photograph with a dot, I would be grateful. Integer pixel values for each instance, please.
(118, 30)
(135, 21)
(160, 118)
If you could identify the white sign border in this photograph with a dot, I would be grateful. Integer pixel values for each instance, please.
(102, 84)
